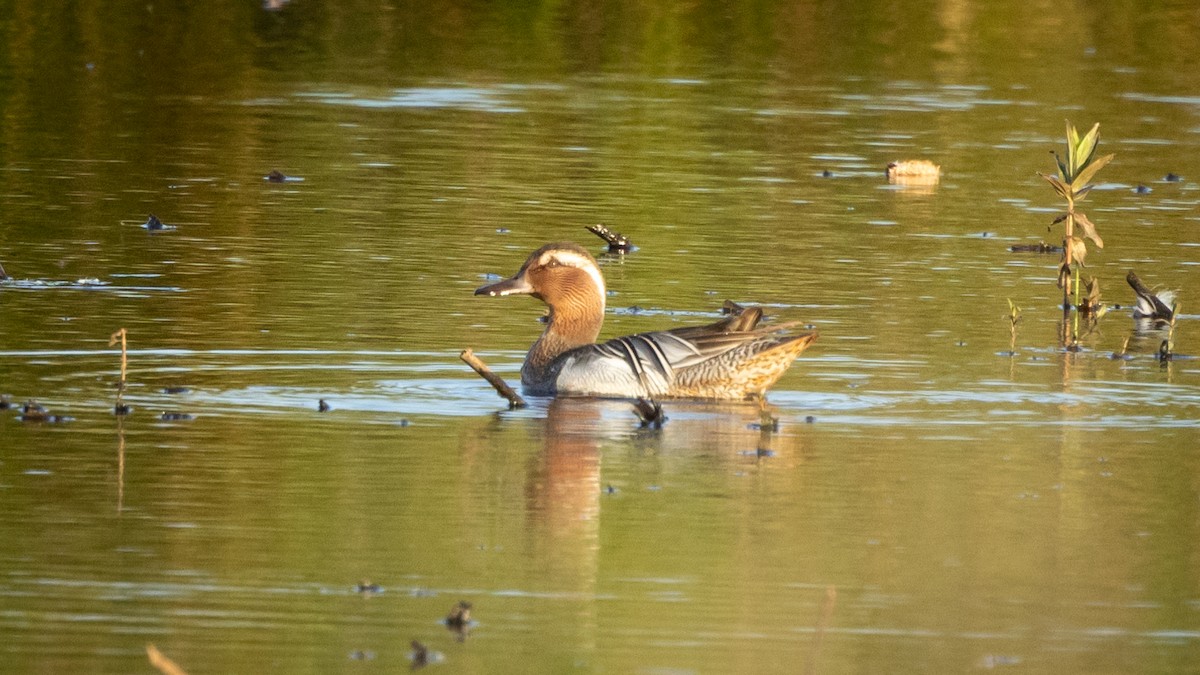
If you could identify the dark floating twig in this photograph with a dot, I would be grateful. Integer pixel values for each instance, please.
(175, 390)
(162, 663)
(650, 412)
(1165, 353)
(275, 177)
(323, 406)
(1040, 247)
(366, 589)
(731, 307)
(176, 417)
(617, 242)
(498, 383)
(119, 337)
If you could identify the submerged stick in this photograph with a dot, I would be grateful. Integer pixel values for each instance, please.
(497, 382)
(162, 663)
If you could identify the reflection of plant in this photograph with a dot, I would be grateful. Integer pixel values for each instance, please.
(1073, 184)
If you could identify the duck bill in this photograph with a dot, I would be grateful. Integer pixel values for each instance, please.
(514, 286)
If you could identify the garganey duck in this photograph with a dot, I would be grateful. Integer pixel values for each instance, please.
(730, 359)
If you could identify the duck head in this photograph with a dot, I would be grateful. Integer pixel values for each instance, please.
(567, 278)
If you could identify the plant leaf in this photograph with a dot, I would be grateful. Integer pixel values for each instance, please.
(1064, 275)
(1089, 229)
(1085, 148)
(1061, 217)
(1082, 193)
(1078, 250)
(1086, 173)
(1072, 143)
(1062, 168)
(1060, 187)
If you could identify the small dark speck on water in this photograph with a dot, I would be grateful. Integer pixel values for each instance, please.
(122, 409)
(276, 177)
(1143, 189)
(175, 390)
(826, 174)
(5, 402)
(961, 343)
(1172, 178)
(322, 406)
(175, 417)
(360, 655)
(502, 230)
(609, 489)
(809, 419)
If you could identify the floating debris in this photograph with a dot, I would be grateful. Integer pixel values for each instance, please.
(459, 618)
(421, 656)
(176, 417)
(122, 409)
(5, 402)
(650, 412)
(366, 589)
(175, 390)
(323, 406)
(3, 274)
(1143, 189)
(810, 419)
(1172, 178)
(153, 224)
(826, 174)
(1151, 305)
(1040, 247)
(916, 172)
(617, 242)
(31, 411)
(275, 177)
(1165, 352)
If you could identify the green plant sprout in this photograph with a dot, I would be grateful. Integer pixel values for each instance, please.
(1073, 183)
(1013, 317)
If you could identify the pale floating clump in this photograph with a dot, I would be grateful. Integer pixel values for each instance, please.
(914, 172)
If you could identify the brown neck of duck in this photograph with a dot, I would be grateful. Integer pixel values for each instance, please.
(570, 325)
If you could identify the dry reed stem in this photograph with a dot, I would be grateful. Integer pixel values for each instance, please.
(119, 336)
(162, 663)
(498, 383)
